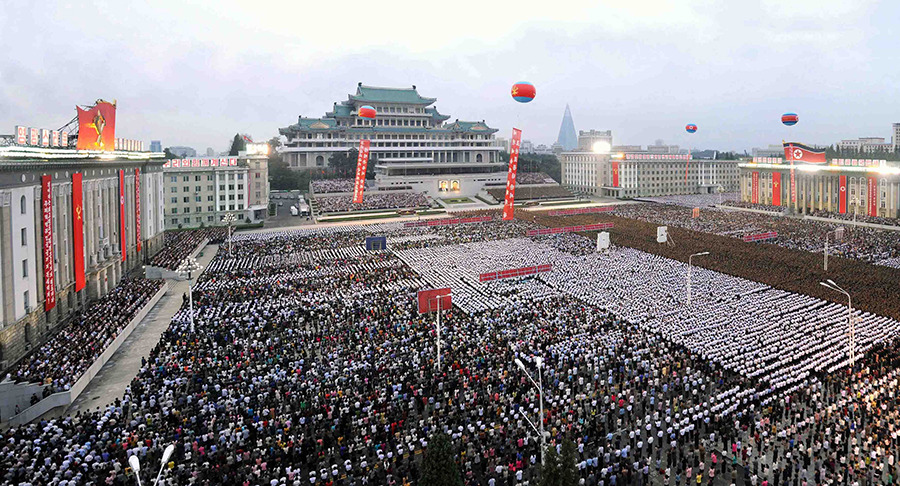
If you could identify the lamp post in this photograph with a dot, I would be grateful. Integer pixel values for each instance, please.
(826, 245)
(539, 385)
(188, 266)
(229, 219)
(689, 274)
(135, 464)
(837, 288)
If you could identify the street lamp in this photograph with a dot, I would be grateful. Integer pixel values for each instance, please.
(837, 288)
(841, 230)
(229, 219)
(689, 274)
(135, 464)
(188, 266)
(539, 385)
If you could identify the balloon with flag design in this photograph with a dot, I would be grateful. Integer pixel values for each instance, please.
(523, 92)
(367, 111)
(691, 128)
(790, 119)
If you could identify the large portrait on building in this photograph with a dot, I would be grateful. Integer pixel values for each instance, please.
(454, 185)
(443, 186)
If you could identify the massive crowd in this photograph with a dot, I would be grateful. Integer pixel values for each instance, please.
(324, 186)
(534, 178)
(307, 363)
(529, 193)
(388, 200)
(180, 244)
(693, 200)
(61, 360)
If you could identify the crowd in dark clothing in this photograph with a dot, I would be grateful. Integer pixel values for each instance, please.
(179, 244)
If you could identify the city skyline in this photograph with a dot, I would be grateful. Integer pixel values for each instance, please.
(642, 70)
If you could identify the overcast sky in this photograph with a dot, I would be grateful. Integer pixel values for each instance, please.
(194, 75)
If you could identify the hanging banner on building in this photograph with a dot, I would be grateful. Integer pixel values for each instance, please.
(97, 127)
(842, 195)
(873, 196)
(362, 164)
(793, 187)
(122, 239)
(615, 171)
(78, 230)
(137, 208)
(754, 188)
(47, 221)
(797, 152)
(508, 209)
(776, 188)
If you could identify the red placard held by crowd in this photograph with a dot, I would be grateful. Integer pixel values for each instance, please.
(434, 300)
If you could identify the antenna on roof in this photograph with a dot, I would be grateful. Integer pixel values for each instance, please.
(414, 86)
(359, 84)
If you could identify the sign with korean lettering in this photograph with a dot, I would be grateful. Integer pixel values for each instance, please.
(122, 239)
(47, 222)
(137, 207)
(508, 209)
(362, 163)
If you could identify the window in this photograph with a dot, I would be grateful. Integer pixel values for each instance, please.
(231, 197)
(221, 197)
(209, 177)
(240, 177)
(174, 179)
(24, 237)
(197, 198)
(27, 301)
(209, 218)
(240, 206)
(174, 190)
(241, 196)
(258, 185)
(210, 187)
(231, 207)
(187, 220)
(257, 175)
(240, 187)
(209, 198)
(174, 210)
(186, 199)
(187, 210)
(210, 208)
(197, 178)
(230, 187)
(24, 268)
(174, 200)
(186, 189)
(198, 219)
(221, 187)
(197, 188)
(174, 220)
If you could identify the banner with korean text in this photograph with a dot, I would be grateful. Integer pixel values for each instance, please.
(78, 230)
(793, 187)
(754, 188)
(362, 163)
(122, 239)
(137, 207)
(842, 196)
(615, 174)
(776, 188)
(47, 222)
(873, 196)
(508, 210)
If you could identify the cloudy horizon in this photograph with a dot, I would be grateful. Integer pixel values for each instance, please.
(195, 75)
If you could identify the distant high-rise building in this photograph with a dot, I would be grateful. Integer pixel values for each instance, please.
(155, 146)
(183, 151)
(210, 152)
(567, 138)
(527, 147)
(896, 138)
(587, 139)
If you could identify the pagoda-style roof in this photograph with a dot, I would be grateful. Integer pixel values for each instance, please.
(374, 94)
(342, 109)
(435, 115)
(470, 126)
(309, 124)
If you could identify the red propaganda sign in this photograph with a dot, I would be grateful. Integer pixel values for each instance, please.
(508, 209)
(34, 136)
(842, 195)
(21, 135)
(776, 188)
(47, 221)
(362, 164)
(570, 212)
(569, 229)
(754, 188)
(514, 272)
(137, 208)
(78, 230)
(97, 127)
(760, 237)
(873, 196)
(122, 239)
(615, 174)
(232, 162)
(434, 300)
(695, 213)
(793, 187)
(446, 221)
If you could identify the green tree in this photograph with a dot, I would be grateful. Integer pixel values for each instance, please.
(170, 155)
(343, 164)
(237, 144)
(568, 470)
(439, 467)
(550, 470)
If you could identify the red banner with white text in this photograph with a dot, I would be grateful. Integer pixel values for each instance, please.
(842, 196)
(873, 196)
(362, 163)
(754, 188)
(137, 207)
(615, 171)
(78, 230)
(122, 239)
(508, 210)
(776, 188)
(793, 187)
(47, 222)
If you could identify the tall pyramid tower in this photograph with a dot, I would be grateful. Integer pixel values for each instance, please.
(567, 138)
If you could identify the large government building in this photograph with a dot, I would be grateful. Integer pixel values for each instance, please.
(630, 175)
(413, 146)
(73, 223)
(868, 187)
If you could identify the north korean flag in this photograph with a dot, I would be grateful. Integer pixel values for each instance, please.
(798, 152)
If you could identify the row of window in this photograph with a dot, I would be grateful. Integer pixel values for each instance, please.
(209, 177)
(240, 187)
(198, 219)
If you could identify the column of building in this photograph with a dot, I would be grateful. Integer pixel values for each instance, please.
(7, 297)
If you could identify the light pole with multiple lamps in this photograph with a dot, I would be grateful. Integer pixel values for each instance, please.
(189, 266)
(539, 362)
(837, 288)
(229, 219)
(689, 274)
(135, 464)
(839, 230)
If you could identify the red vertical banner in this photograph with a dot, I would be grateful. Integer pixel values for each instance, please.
(362, 163)
(842, 195)
(615, 174)
(47, 221)
(776, 188)
(508, 209)
(137, 207)
(793, 187)
(78, 230)
(873, 196)
(754, 188)
(122, 239)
